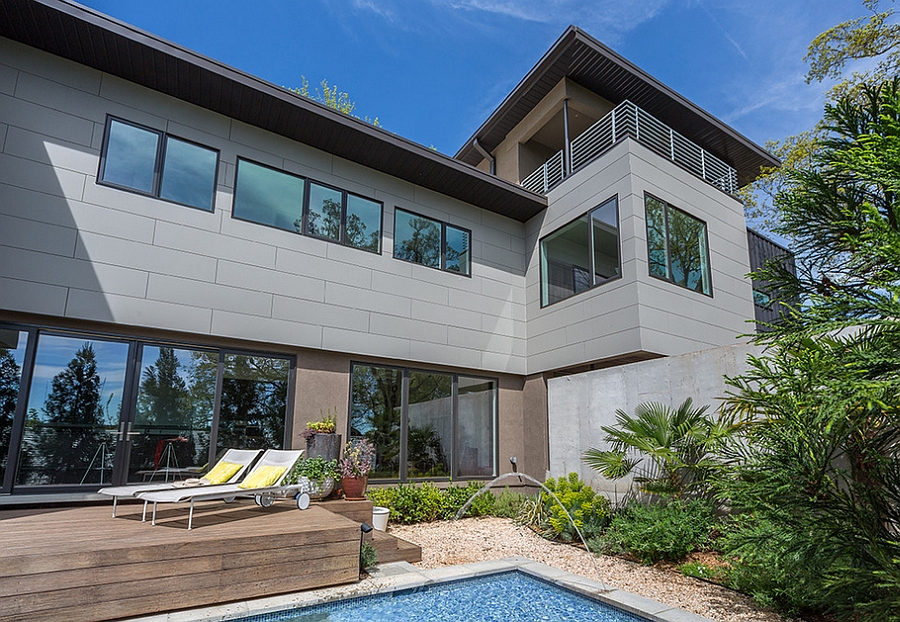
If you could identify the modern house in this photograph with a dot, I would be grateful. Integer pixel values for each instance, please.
(192, 258)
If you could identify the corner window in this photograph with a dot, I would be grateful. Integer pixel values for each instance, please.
(153, 163)
(425, 424)
(581, 254)
(274, 198)
(677, 247)
(429, 242)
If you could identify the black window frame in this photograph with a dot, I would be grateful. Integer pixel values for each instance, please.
(405, 372)
(590, 246)
(158, 165)
(304, 216)
(443, 250)
(670, 279)
(136, 344)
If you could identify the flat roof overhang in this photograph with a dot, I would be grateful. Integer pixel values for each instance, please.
(581, 58)
(96, 40)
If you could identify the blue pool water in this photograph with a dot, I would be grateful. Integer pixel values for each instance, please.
(507, 597)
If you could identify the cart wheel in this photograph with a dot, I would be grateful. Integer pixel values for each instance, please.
(228, 499)
(257, 501)
(302, 501)
(265, 501)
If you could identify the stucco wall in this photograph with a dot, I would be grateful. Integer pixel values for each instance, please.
(71, 248)
(580, 404)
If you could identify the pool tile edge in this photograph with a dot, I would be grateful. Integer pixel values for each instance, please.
(403, 576)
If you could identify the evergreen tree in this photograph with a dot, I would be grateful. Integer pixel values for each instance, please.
(817, 473)
(10, 374)
(164, 411)
(73, 417)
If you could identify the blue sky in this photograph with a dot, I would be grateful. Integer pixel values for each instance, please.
(432, 70)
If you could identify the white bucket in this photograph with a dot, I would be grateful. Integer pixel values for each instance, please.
(380, 518)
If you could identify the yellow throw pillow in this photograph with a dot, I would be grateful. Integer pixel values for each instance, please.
(263, 477)
(222, 472)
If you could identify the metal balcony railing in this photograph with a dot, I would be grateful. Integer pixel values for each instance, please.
(626, 119)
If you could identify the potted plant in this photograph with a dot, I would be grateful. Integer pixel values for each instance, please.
(314, 476)
(354, 467)
(321, 439)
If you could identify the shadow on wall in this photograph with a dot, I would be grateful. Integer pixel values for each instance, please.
(45, 265)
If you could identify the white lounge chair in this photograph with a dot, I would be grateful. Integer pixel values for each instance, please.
(264, 483)
(243, 458)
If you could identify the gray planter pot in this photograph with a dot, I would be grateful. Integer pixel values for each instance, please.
(314, 489)
(328, 446)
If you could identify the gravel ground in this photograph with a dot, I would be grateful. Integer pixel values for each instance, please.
(480, 539)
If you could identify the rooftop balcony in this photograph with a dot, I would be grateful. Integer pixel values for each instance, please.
(626, 119)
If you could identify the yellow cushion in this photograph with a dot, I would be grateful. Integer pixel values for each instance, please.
(263, 476)
(222, 472)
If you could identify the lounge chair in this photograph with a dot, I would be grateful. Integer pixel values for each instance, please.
(263, 483)
(227, 470)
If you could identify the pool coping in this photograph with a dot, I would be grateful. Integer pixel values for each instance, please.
(396, 576)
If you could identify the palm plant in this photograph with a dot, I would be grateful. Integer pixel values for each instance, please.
(674, 447)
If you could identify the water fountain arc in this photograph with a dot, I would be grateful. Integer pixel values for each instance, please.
(487, 486)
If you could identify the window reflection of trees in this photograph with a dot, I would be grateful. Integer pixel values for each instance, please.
(377, 404)
(419, 241)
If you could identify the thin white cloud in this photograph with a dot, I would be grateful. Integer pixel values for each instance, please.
(725, 33)
(607, 19)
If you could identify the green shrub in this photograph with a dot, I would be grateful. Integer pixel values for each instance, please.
(456, 496)
(660, 532)
(411, 503)
(768, 563)
(368, 556)
(702, 571)
(508, 504)
(589, 511)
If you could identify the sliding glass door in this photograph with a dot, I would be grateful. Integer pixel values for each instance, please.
(87, 411)
(74, 407)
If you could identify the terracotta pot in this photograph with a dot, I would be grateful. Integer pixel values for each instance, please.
(354, 487)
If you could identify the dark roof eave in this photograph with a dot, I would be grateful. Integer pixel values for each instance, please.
(90, 38)
(588, 62)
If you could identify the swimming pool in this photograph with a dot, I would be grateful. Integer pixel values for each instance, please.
(512, 596)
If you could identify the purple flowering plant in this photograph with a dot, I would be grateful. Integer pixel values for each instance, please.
(358, 459)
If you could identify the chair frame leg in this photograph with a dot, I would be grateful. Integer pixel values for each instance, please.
(115, 498)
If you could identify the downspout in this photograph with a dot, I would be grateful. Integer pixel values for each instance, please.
(486, 155)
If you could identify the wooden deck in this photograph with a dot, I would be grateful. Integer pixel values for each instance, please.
(82, 564)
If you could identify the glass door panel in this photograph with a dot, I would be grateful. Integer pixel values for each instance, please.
(169, 437)
(74, 405)
(475, 433)
(430, 425)
(253, 403)
(376, 415)
(12, 356)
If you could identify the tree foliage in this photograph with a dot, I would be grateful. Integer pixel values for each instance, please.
(331, 97)
(73, 417)
(678, 445)
(817, 468)
(875, 36)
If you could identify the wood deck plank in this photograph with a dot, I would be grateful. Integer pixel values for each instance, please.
(83, 564)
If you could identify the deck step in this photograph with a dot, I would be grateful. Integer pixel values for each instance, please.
(393, 549)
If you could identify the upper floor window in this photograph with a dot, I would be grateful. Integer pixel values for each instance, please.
(154, 163)
(581, 254)
(677, 246)
(271, 197)
(423, 240)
